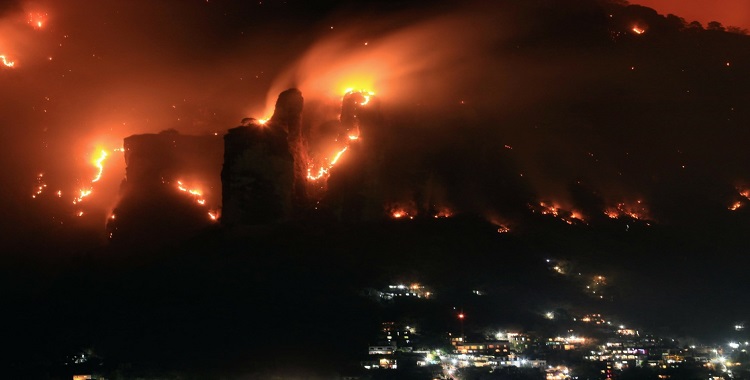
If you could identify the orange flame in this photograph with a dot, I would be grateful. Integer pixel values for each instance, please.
(198, 197)
(98, 163)
(637, 211)
(324, 171)
(638, 30)
(6, 62)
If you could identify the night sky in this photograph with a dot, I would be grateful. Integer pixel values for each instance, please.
(614, 118)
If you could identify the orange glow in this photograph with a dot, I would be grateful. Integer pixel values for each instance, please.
(461, 316)
(735, 206)
(366, 95)
(263, 121)
(198, 197)
(443, 213)
(6, 62)
(197, 194)
(635, 211)
(97, 162)
(554, 210)
(213, 215)
(37, 20)
(40, 185)
(503, 230)
(638, 30)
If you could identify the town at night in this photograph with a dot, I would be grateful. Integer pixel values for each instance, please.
(374, 189)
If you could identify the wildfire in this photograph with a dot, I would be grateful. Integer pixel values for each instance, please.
(353, 135)
(745, 193)
(400, 214)
(637, 211)
(194, 192)
(366, 95)
(568, 217)
(6, 62)
(402, 211)
(97, 162)
(198, 197)
(323, 171)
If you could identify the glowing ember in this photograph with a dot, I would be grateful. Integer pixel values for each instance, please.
(263, 121)
(213, 215)
(37, 20)
(503, 230)
(735, 206)
(638, 30)
(40, 185)
(6, 62)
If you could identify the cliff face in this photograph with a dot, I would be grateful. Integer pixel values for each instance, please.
(257, 176)
(152, 207)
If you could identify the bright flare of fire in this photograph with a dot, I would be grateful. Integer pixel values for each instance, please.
(735, 206)
(6, 62)
(366, 95)
(98, 162)
(324, 171)
(638, 30)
